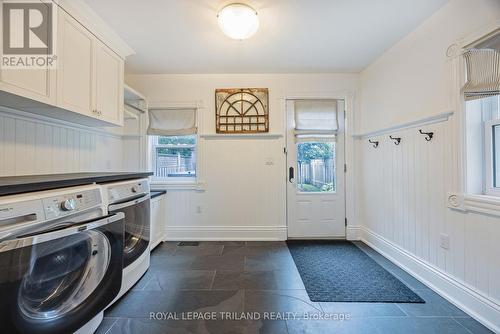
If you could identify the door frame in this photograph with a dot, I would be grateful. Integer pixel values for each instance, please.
(352, 229)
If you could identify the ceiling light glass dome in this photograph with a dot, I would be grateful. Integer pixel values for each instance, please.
(238, 21)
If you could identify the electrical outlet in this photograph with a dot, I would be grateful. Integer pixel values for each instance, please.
(444, 241)
(198, 209)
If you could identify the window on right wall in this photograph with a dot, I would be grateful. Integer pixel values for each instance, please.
(483, 139)
(481, 93)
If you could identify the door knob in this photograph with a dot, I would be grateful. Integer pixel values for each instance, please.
(290, 175)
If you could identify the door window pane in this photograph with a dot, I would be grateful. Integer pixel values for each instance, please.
(316, 167)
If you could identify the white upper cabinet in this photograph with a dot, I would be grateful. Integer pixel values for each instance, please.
(75, 66)
(85, 86)
(90, 74)
(38, 85)
(108, 84)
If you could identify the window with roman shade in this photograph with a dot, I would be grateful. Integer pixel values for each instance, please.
(172, 135)
(315, 120)
(482, 115)
(172, 122)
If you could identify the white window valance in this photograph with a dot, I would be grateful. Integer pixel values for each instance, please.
(483, 73)
(172, 122)
(315, 120)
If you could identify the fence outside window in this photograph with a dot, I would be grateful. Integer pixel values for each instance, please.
(175, 157)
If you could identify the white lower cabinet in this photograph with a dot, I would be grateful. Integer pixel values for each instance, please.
(158, 220)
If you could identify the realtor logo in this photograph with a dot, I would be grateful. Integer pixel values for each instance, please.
(28, 34)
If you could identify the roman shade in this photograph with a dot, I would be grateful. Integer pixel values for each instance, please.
(483, 73)
(172, 122)
(315, 120)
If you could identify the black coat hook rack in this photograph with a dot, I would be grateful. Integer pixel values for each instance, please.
(374, 142)
(428, 135)
(397, 140)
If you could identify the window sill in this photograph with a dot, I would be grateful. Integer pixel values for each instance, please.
(185, 185)
(484, 204)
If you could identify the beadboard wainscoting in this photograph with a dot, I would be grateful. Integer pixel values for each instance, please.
(39, 146)
(403, 199)
(405, 216)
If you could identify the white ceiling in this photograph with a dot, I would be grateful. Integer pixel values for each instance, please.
(182, 36)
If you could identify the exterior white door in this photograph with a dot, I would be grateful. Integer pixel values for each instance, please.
(315, 181)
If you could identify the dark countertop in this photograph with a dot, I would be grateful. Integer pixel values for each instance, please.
(11, 185)
(156, 193)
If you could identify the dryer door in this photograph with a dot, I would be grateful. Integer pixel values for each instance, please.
(55, 282)
(137, 227)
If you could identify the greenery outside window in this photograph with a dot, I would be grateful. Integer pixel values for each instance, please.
(316, 167)
(174, 158)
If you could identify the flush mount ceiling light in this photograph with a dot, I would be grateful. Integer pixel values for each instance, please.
(238, 21)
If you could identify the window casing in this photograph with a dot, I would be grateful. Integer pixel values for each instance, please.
(483, 145)
(492, 152)
(174, 158)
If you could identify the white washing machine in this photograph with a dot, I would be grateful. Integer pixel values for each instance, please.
(61, 260)
(133, 199)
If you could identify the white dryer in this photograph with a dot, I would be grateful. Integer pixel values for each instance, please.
(133, 199)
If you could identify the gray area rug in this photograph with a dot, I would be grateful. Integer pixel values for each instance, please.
(338, 271)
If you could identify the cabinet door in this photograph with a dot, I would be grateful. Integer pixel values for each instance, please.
(108, 84)
(162, 208)
(35, 84)
(75, 54)
(155, 220)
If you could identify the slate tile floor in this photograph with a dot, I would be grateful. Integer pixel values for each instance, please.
(262, 277)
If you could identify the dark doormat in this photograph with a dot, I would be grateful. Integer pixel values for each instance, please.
(338, 271)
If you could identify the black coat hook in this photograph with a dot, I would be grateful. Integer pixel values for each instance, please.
(374, 142)
(428, 135)
(397, 140)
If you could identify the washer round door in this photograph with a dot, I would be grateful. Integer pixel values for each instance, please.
(57, 286)
(62, 274)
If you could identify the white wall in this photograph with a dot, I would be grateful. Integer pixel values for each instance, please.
(402, 201)
(33, 146)
(243, 198)
(412, 79)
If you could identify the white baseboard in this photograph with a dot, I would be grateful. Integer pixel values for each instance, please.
(353, 233)
(472, 302)
(226, 233)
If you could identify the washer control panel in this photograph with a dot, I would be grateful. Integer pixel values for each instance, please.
(60, 206)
